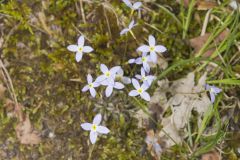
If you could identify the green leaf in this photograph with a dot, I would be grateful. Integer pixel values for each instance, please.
(225, 81)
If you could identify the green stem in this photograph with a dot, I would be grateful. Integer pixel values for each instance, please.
(91, 151)
(189, 16)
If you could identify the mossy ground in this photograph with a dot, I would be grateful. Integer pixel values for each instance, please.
(48, 80)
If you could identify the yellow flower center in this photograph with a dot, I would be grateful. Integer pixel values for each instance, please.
(144, 59)
(107, 74)
(90, 85)
(152, 48)
(80, 49)
(144, 78)
(94, 127)
(140, 90)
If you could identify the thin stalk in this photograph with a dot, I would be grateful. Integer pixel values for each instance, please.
(90, 152)
(189, 16)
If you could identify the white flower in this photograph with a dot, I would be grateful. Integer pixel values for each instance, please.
(147, 80)
(125, 30)
(91, 85)
(108, 76)
(95, 128)
(139, 90)
(121, 77)
(134, 6)
(144, 60)
(80, 48)
(152, 48)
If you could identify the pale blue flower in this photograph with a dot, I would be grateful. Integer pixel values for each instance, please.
(147, 80)
(90, 86)
(80, 48)
(152, 48)
(108, 76)
(144, 59)
(125, 30)
(110, 86)
(133, 6)
(120, 76)
(213, 90)
(95, 128)
(139, 90)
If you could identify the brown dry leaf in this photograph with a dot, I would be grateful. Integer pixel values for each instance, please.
(211, 156)
(206, 5)
(26, 134)
(186, 96)
(198, 42)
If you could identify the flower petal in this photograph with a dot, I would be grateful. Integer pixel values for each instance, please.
(153, 56)
(138, 76)
(130, 61)
(114, 70)
(144, 54)
(125, 30)
(87, 49)
(92, 92)
(133, 93)
(126, 80)
(72, 48)
(142, 71)
(212, 96)
(93, 137)
(95, 84)
(86, 126)
(131, 25)
(108, 91)
(78, 56)
(160, 48)
(120, 72)
(97, 119)
(85, 88)
(128, 3)
(146, 67)
(118, 85)
(103, 68)
(145, 96)
(89, 78)
(139, 60)
(143, 48)
(103, 130)
(100, 78)
(216, 89)
(151, 40)
(137, 5)
(135, 83)
(144, 87)
(81, 41)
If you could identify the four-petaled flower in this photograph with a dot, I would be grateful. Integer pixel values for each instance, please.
(121, 77)
(125, 30)
(108, 76)
(110, 86)
(90, 86)
(95, 128)
(80, 48)
(133, 6)
(139, 90)
(142, 60)
(213, 90)
(147, 80)
(152, 48)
